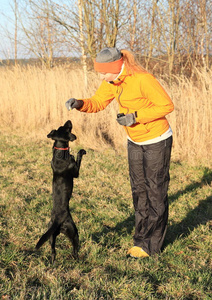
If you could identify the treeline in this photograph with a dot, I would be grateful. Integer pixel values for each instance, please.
(167, 35)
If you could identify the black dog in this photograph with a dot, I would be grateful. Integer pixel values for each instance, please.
(65, 168)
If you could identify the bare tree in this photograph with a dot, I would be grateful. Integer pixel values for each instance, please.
(10, 33)
(82, 43)
(195, 32)
(39, 31)
(110, 18)
(204, 42)
(152, 30)
(132, 22)
(175, 31)
(97, 22)
(169, 19)
(16, 30)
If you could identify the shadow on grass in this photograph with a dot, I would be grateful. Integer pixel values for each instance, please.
(122, 228)
(200, 215)
(206, 179)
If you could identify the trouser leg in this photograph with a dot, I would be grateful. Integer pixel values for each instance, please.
(149, 177)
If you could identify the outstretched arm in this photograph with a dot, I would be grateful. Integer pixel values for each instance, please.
(98, 102)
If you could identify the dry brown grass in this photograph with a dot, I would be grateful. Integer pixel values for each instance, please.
(32, 101)
(191, 119)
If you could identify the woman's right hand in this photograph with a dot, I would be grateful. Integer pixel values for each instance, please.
(74, 103)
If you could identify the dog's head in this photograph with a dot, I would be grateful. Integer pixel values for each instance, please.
(63, 133)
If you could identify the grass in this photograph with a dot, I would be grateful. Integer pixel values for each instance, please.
(102, 209)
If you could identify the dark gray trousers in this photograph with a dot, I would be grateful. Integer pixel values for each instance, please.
(149, 178)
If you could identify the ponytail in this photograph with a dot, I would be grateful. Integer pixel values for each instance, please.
(131, 63)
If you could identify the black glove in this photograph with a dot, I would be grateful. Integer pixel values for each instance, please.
(74, 103)
(126, 120)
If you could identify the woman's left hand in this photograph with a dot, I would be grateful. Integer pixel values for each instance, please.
(127, 120)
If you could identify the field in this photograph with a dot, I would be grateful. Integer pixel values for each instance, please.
(101, 204)
(33, 102)
(102, 209)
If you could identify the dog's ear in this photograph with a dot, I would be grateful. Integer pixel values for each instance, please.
(51, 134)
(68, 124)
(72, 137)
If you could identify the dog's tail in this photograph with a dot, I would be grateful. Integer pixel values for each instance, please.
(47, 235)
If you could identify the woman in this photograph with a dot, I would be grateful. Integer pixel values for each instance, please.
(143, 105)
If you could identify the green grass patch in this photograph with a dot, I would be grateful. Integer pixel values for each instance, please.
(102, 208)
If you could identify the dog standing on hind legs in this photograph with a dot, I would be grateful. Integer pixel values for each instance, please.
(65, 169)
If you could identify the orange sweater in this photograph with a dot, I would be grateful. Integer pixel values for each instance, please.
(139, 92)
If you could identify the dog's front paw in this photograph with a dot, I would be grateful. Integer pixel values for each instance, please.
(82, 152)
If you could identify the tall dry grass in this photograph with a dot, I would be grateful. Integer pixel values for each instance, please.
(191, 119)
(32, 102)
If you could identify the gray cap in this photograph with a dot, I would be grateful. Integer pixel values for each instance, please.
(108, 55)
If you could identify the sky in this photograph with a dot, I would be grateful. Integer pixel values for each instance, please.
(6, 25)
(7, 28)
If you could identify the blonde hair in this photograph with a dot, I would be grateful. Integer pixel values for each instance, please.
(131, 63)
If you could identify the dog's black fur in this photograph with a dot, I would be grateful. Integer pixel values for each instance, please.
(65, 168)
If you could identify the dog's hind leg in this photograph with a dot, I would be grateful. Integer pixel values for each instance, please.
(75, 243)
(52, 228)
(70, 230)
(52, 241)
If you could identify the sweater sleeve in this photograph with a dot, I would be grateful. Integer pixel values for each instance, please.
(99, 101)
(160, 104)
